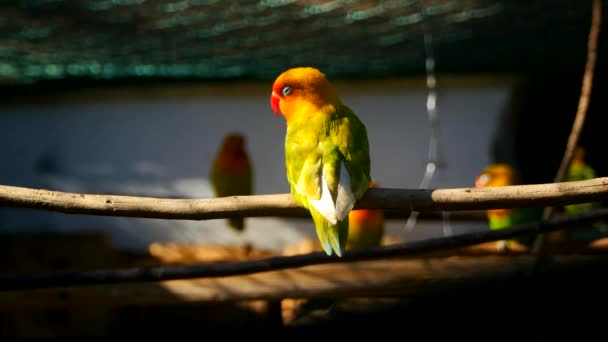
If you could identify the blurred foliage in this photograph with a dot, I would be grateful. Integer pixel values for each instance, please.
(108, 39)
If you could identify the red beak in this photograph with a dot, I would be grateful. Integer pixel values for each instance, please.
(274, 103)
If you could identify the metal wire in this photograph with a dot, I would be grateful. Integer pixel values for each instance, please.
(433, 164)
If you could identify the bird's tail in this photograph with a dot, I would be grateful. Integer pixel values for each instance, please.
(332, 237)
(238, 223)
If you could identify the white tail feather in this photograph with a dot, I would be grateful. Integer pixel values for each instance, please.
(325, 205)
(345, 199)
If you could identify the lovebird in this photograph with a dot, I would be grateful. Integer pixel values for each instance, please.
(326, 152)
(579, 170)
(501, 174)
(231, 173)
(366, 227)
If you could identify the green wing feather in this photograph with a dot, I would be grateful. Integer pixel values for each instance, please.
(320, 145)
(515, 217)
(579, 171)
(527, 215)
(350, 136)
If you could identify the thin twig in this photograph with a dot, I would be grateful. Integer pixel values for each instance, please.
(581, 113)
(529, 195)
(59, 279)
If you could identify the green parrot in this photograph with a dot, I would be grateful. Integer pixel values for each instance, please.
(326, 152)
(504, 175)
(231, 173)
(579, 170)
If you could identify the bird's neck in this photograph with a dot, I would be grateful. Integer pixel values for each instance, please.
(306, 112)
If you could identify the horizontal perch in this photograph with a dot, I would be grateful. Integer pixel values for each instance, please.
(140, 274)
(549, 194)
(377, 278)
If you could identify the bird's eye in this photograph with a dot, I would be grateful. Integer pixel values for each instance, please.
(286, 91)
(484, 178)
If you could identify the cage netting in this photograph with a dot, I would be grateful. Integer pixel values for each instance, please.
(210, 39)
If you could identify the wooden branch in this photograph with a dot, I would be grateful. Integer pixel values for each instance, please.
(379, 278)
(284, 204)
(58, 279)
(581, 112)
(583, 102)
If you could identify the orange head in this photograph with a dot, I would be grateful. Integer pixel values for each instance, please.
(496, 175)
(301, 92)
(232, 155)
(373, 184)
(578, 154)
(363, 215)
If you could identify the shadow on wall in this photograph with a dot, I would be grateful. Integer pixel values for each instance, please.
(533, 128)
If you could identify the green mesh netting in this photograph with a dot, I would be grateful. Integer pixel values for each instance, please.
(107, 39)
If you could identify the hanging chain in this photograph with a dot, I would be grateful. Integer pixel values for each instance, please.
(433, 163)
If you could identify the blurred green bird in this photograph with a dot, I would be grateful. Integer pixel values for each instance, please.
(579, 170)
(501, 174)
(231, 173)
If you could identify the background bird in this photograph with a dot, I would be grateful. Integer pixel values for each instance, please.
(365, 227)
(504, 175)
(231, 173)
(326, 152)
(579, 170)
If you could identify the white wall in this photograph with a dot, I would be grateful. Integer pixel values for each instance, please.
(161, 145)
